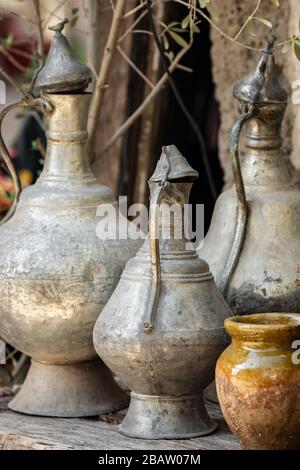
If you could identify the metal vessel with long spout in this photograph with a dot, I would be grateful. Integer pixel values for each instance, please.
(253, 244)
(55, 274)
(162, 329)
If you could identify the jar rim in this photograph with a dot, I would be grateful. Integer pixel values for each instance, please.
(264, 326)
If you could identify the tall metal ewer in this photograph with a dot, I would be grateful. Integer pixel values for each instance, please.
(162, 330)
(253, 244)
(55, 274)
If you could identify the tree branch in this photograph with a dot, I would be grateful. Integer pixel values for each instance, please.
(132, 26)
(41, 46)
(137, 113)
(135, 68)
(135, 9)
(213, 25)
(104, 72)
(11, 81)
(12, 60)
(94, 30)
(247, 20)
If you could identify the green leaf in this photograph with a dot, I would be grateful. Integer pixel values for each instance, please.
(276, 3)
(178, 39)
(73, 21)
(250, 28)
(34, 145)
(263, 21)
(166, 42)
(297, 50)
(185, 22)
(172, 24)
(9, 40)
(195, 28)
(184, 68)
(213, 12)
(286, 47)
(179, 30)
(170, 56)
(203, 3)
(75, 11)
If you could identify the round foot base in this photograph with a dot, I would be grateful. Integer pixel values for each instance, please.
(69, 391)
(154, 417)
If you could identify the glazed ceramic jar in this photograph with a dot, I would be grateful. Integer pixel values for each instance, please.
(258, 381)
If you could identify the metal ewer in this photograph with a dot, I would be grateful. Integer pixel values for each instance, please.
(162, 330)
(253, 244)
(55, 273)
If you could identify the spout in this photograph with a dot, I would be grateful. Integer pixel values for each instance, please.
(172, 167)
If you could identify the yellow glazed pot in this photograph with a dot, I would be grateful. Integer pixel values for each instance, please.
(258, 380)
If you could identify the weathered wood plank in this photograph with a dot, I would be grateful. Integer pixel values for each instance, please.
(18, 432)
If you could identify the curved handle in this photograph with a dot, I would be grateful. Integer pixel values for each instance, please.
(27, 101)
(149, 317)
(243, 213)
(9, 165)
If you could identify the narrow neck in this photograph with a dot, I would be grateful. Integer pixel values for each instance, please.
(263, 164)
(66, 156)
(171, 229)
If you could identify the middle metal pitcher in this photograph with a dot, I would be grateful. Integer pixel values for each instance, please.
(162, 330)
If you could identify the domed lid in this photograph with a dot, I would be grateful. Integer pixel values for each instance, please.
(172, 166)
(262, 86)
(62, 72)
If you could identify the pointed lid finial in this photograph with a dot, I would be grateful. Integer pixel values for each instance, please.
(62, 72)
(59, 26)
(173, 166)
(262, 85)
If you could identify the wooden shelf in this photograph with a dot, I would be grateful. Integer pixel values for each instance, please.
(20, 432)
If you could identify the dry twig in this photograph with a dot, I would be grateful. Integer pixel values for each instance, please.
(137, 113)
(39, 26)
(135, 68)
(11, 81)
(101, 83)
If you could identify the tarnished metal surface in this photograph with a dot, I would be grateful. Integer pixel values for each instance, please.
(62, 72)
(262, 86)
(82, 389)
(169, 368)
(55, 274)
(265, 272)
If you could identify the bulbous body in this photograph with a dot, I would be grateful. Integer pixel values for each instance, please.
(258, 381)
(169, 367)
(188, 334)
(55, 273)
